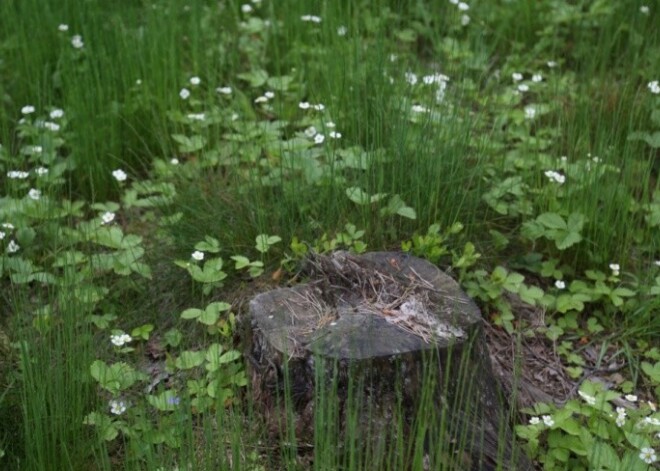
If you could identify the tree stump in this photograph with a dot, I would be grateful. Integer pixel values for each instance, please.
(398, 336)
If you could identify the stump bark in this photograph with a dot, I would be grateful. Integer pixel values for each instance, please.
(396, 336)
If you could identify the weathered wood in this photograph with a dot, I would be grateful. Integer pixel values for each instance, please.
(395, 325)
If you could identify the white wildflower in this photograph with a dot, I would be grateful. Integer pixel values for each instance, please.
(334, 135)
(534, 421)
(530, 112)
(615, 267)
(27, 109)
(120, 339)
(269, 95)
(198, 255)
(555, 176)
(246, 8)
(7, 225)
(52, 126)
(12, 247)
(2, 235)
(34, 194)
(195, 80)
(319, 138)
(516, 76)
(411, 78)
(463, 6)
(419, 109)
(174, 161)
(261, 99)
(107, 217)
(647, 455)
(630, 397)
(224, 90)
(119, 175)
(654, 87)
(117, 407)
(184, 93)
(591, 400)
(537, 78)
(644, 9)
(319, 107)
(310, 132)
(63, 27)
(559, 284)
(197, 116)
(330, 124)
(551, 64)
(548, 420)
(77, 42)
(311, 18)
(17, 174)
(523, 87)
(652, 421)
(303, 105)
(465, 20)
(56, 113)
(342, 30)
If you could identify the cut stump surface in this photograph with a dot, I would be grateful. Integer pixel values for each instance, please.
(380, 317)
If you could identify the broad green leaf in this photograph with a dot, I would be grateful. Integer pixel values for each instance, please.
(575, 222)
(208, 317)
(104, 425)
(636, 440)
(173, 337)
(256, 77)
(102, 321)
(564, 239)
(652, 371)
(189, 359)
(209, 244)
(281, 83)
(191, 144)
(116, 377)
(143, 331)
(530, 294)
(229, 356)
(69, 258)
(191, 313)
(264, 241)
(165, 401)
(241, 261)
(25, 236)
(212, 356)
(552, 221)
(603, 456)
(407, 212)
(361, 197)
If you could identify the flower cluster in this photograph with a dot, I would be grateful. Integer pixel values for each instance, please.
(548, 421)
(555, 176)
(265, 97)
(615, 269)
(311, 18)
(654, 87)
(304, 105)
(120, 339)
(117, 406)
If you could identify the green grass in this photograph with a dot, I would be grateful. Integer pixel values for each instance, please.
(472, 157)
